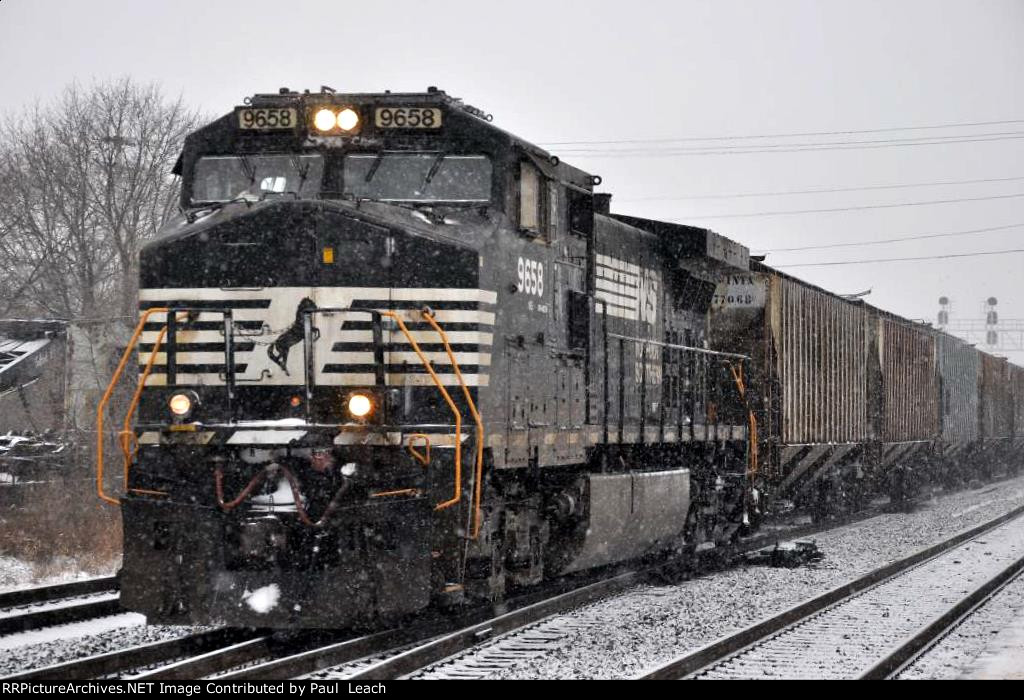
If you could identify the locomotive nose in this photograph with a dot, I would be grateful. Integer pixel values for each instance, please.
(267, 244)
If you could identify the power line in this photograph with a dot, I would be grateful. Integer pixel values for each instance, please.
(864, 188)
(788, 135)
(885, 260)
(995, 135)
(897, 240)
(781, 148)
(857, 208)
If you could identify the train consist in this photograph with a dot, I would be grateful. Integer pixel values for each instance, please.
(392, 356)
(853, 401)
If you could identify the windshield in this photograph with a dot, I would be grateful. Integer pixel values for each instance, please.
(224, 178)
(418, 177)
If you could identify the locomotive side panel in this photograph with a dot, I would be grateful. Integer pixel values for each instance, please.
(629, 294)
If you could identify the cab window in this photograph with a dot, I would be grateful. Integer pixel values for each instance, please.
(529, 198)
(225, 178)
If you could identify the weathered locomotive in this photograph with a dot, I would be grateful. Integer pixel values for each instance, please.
(393, 356)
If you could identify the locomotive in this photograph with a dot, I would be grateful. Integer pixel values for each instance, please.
(393, 357)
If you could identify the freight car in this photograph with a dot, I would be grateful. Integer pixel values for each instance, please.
(854, 401)
(393, 356)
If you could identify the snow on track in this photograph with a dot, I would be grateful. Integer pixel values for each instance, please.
(83, 639)
(652, 624)
(60, 633)
(957, 653)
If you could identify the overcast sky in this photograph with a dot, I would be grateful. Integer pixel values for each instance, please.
(613, 71)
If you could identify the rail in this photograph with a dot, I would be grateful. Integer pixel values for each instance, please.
(697, 660)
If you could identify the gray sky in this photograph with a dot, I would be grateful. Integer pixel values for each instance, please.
(599, 71)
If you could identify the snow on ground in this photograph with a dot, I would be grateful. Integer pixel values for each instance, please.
(983, 645)
(72, 630)
(82, 639)
(1003, 657)
(622, 636)
(14, 573)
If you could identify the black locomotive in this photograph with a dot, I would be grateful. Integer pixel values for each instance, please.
(393, 356)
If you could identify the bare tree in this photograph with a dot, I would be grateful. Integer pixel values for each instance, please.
(85, 182)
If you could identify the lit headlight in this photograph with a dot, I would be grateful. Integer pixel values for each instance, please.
(325, 120)
(359, 405)
(348, 119)
(180, 405)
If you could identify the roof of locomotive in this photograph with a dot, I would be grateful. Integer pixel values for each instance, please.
(462, 123)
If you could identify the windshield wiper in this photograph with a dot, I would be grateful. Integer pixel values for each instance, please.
(248, 169)
(373, 168)
(301, 169)
(435, 167)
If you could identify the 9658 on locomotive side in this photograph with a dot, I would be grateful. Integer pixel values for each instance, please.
(393, 356)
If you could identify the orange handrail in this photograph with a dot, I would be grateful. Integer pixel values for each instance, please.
(737, 375)
(420, 457)
(451, 404)
(476, 417)
(102, 406)
(127, 434)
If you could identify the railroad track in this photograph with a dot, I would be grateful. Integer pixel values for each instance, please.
(46, 606)
(401, 652)
(874, 626)
(240, 654)
(123, 661)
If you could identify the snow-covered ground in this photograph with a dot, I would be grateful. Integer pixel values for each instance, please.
(622, 636)
(16, 573)
(54, 645)
(60, 633)
(1003, 656)
(983, 645)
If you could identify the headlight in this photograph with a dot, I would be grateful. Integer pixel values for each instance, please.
(360, 405)
(180, 405)
(348, 119)
(325, 120)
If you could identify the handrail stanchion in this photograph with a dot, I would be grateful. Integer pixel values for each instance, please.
(476, 417)
(127, 434)
(451, 405)
(102, 406)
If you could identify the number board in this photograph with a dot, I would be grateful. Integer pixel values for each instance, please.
(407, 118)
(268, 118)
